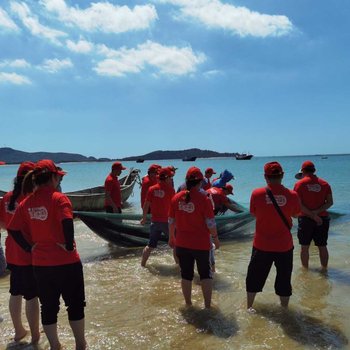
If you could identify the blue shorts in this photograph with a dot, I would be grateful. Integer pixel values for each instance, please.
(157, 228)
(308, 230)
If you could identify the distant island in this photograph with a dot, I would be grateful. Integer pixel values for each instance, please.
(12, 156)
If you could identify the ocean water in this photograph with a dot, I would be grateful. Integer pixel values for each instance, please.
(130, 307)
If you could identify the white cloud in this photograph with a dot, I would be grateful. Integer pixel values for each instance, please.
(32, 23)
(82, 46)
(14, 78)
(55, 65)
(6, 21)
(18, 63)
(104, 16)
(238, 20)
(167, 59)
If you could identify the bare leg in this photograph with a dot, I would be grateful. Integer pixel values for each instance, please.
(250, 300)
(176, 259)
(145, 255)
(304, 256)
(15, 307)
(78, 328)
(32, 313)
(323, 253)
(52, 336)
(284, 301)
(186, 286)
(207, 288)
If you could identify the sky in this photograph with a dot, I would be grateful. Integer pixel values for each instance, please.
(124, 78)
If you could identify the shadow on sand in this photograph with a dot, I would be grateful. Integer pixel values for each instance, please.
(306, 330)
(210, 321)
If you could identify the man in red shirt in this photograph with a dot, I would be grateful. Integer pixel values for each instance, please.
(273, 242)
(220, 199)
(316, 197)
(207, 175)
(149, 180)
(158, 199)
(113, 201)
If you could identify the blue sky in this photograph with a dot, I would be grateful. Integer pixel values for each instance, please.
(122, 78)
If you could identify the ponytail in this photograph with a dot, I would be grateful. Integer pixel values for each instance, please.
(16, 192)
(28, 183)
(189, 185)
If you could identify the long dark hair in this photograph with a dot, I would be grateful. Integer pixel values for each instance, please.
(189, 185)
(16, 192)
(35, 178)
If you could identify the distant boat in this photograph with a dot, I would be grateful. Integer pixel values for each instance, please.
(324, 157)
(189, 159)
(243, 156)
(140, 160)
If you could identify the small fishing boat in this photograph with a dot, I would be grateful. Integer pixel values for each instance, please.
(140, 160)
(243, 156)
(189, 159)
(93, 198)
(126, 230)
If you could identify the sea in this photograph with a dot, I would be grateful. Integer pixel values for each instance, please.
(130, 307)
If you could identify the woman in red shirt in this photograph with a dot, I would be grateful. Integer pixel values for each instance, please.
(191, 214)
(22, 281)
(46, 217)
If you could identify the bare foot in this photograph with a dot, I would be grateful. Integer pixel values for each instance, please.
(251, 310)
(35, 338)
(20, 336)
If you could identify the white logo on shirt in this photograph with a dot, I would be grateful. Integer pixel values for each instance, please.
(187, 207)
(314, 188)
(39, 213)
(280, 199)
(159, 193)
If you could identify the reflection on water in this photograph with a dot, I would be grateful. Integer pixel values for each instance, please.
(130, 307)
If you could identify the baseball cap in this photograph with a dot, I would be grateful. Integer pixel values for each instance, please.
(210, 170)
(48, 166)
(273, 168)
(154, 168)
(164, 173)
(24, 167)
(307, 165)
(194, 173)
(228, 188)
(118, 165)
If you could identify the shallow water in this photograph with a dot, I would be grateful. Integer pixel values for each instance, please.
(130, 307)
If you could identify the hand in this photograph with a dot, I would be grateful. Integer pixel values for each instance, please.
(143, 221)
(318, 220)
(216, 242)
(171, 242)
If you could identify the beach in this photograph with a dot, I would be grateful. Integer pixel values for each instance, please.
(130, 307)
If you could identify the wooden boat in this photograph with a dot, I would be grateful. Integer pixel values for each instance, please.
(126, 230)
(92, 199)
(140, 160)
(243, 156)
(189, 159)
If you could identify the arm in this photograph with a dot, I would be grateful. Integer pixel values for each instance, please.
(233, 207)
(68, 231)
(145, 210)
(109, 198)
(20, 240)
(212, 229)
(171, 241)
(328, 203)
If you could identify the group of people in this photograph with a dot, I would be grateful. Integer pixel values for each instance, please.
(41, 254)
(45, 265)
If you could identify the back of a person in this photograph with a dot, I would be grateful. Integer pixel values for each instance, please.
(313, 192)
(160, 196)
(191, 229)
(218, 196)
(271, 234)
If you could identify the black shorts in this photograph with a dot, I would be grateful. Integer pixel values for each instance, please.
(187, 257)
(22, 281)
(308, 230)
(259, 268)
(156, 230)
(63, 280)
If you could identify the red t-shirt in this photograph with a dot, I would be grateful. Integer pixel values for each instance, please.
(147, 182)
(41, 215)
(112, 186)
(15, 255)
(313, 192)
(190, 220)
(271, 234)
(159, 197)
(219, 197)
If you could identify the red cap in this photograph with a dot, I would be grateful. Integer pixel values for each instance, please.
(229, 188)
(118, 165)
(154, 168)
(210, 170)
(164, 173)
(273, 168)
(308, 165)
(194, 173)
(24, 168)
(48, 166)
